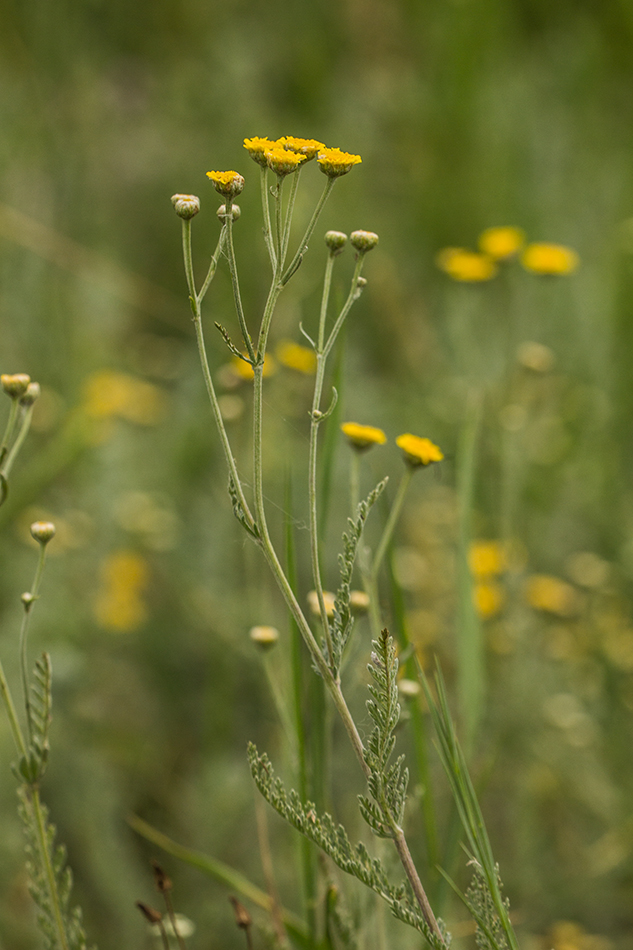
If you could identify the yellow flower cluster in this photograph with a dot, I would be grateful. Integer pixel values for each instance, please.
(501, 244)
(362, 437)
(487, 560)
(270, 153)
(120, 603)
(419, 451)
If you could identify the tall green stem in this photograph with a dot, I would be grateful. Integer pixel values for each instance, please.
(18, 738)
(303, 246)
(19, 442)
(28, 601)
(239, 309)
(8, 432)
(392, 521)
(51, 884)
(268, 231)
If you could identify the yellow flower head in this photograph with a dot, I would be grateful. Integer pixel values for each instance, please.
(488, 598)
(108, 394)
(334, 163)
(328, 600)
(466, 266)
(553, 259)
(244, 370)
(501, 243)
(419, 451)
(228, 184)
(120, 603)
(257, 148)
(308, 147)
(363, 437)
(295, 356)
(487, 558)
(550, 594)
(282, 161)
(264, 637)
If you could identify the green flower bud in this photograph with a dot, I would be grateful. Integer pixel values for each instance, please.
(186, 206)
(43, 531)
(31, 395)
(363, 241)
(235, 212)
(335, 241)
(15, 385)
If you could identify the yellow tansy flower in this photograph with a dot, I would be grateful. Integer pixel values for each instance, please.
(488, 598)
(120, 603)
(419, 451)
(308, 147)
(295, 356)
(501, 243)
(257, 148)
(487, 558)
(328, 600)
(110, 394)
(363, 437)
(283, 161)
(550, 594)
(334, 163)
(228, 184)
(554, 259)
(466, 266)
(245, 371)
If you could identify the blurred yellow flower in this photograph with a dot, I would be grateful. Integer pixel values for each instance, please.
(419, 451)
(109, 394)
(245, 371)
(228, 184)
(257, 148)
(501, 243)
(328, 599)
(120, 603)
(363, 437)
(552, 595)
(550, 259)
(334, 163)
(487, 558)
(295, 356)
(308, 147)
(283, 161)
(466, 266)
(488, 597)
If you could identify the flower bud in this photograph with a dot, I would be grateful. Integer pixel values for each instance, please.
(264, 637)
(186, 206)
(31, 395)
(27, 598)
(228, 184)
(363, 241)
(335, 241)
(15, 385)
(235, 212)
(43, 531)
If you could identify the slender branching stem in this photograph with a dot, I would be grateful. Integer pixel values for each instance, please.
(392, 521)
(303, 246)
(18, 738)
(354, 293)
(354, 481)
(325, 299)
(288, 219)
(8, 432)
(414, 879)
(268, 231)
(19, 441)
(28, 601)
(230, 254)
(277, 195)
(213, 265)
(315, 418)
(51, 884)
(172, 919)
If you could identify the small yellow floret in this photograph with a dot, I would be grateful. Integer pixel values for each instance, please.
(228, 184)
(308, 147)
(257, 148)
(555, 259)
(120, 603)
(466, 266)
(501, 243)
(282, 161)
(487, 558)
(550, 594)
(488, 598)
(363, 437)
(295, 356)
(419, 451)
(334, 163)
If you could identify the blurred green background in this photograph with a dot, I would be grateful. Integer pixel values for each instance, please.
(467, 114)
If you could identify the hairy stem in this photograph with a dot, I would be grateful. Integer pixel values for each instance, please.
(51, 883)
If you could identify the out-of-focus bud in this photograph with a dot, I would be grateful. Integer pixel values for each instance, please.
(408, 689)
(264, 637)
(235, 212)
(31, 395)
(186, 206)
(363, 241)
(43, 531)
(359, 601)
(335, 241)
(151, 915)
(15, 384)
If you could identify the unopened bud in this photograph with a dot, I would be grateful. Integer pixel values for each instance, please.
(161, 879)
(264, 637)
(335, 241)
(363, 241)
(15, 385)
(43, 531)
(235, 212)
(27, 598)
(361, 282)
(408, 689)
(151, 915)
(186, 206)
(32, 393)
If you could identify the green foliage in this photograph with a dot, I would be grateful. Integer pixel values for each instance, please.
(334, 841)
(51, 878)
(387, 783)
(343, 619)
